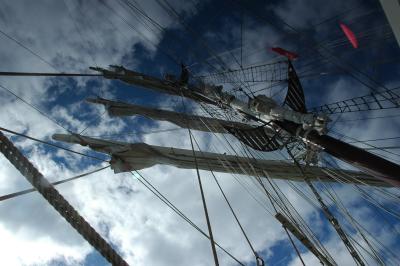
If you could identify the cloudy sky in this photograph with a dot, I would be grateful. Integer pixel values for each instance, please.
(72, 35)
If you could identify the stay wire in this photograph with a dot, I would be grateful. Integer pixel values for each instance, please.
(367, 144)
(34, 107)
(371, 140)
(347, 217)
(284, 227)
(44, 114)
(234, 214)
(384, 193)
(92, 120)
(165, 52)
(51, 144)
(214, 252)
(294, 246)
(363, 194)
(272, 202)
(173, 13)
(342, 208)
(47, 74)
(26, 191)
(80, 33)
(302, 222)
(28, 49)
(229, 205)
(246, 156)
(134, 8)
(235, 177)
(315, 25)
(256, 255)
(367, 118)
(375, 206)
(137, 132)
(276, 211)
(278, 194)
(338, 63)
(204, 203)
(159, 195)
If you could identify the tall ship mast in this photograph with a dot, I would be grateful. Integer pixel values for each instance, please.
(236, 131)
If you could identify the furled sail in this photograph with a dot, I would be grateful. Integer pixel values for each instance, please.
(127, 157)
(201, 123)
(262, 138)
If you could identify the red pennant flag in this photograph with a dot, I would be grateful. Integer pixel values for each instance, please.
(290, 55)
(350, 35)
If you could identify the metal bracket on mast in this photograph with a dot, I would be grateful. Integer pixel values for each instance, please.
(58, 202)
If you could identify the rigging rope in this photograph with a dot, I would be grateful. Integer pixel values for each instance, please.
(166, 52)
(28, 49)
(48, 74)
(367, 144)
(366, 118)
(159, 195)
(34, 107)
(58, 202)
(329, 216)
(174, 14)
(52, 144)
(267, 194)
(373, 101)
(89, 47)
(271, 72)
(259, 260)
(204, 204)
(285, 207)
(344, 65)
(252, 180)
(356, 188)
(336, 200)
(26, 191)
(235, 216)
(60, 147)
(298, 253)
(363, 194)
(214, 251)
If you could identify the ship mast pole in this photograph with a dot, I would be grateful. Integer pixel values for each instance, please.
(374, 165)
(378, 167)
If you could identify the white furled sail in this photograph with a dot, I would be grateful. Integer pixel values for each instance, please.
(127, 157)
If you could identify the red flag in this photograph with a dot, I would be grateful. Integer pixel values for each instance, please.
(290, 55)
(350, 35)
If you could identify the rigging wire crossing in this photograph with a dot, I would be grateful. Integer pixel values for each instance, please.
(27, 191)
(58, 202)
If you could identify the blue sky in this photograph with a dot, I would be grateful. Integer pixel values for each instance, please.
(73, 35)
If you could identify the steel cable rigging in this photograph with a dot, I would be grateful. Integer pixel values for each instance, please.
(282, 201)
(159, 195)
